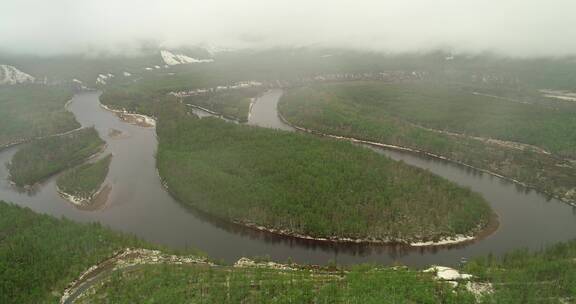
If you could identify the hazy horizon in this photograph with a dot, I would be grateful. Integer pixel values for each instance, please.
(512, 27)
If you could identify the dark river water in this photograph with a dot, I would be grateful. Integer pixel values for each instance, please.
(137, 204)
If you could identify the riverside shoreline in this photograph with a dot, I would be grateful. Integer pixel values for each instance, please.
(571, 202)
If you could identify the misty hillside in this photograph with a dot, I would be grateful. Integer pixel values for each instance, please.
(288, 151)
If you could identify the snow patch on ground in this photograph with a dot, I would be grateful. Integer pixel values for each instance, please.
(448, 274)
(176, 59)
(447, 241)
(237, 85)
(78, 201)
(11, 75)
(133, 118)
(248, 263)
(453, 277)
(559, 94)
(103, 78)
(126, 74)
(123, 259)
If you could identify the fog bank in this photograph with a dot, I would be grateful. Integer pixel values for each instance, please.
(510, 27)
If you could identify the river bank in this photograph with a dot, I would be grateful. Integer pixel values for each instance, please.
(528, 219)
(132, 118)
(92, 203)
(131, 261)
(481, 232)
(120, 260)
(566, 199)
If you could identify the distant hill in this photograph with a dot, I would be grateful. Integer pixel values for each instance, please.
(11, 75)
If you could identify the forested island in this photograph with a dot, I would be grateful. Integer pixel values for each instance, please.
(532, 143)
(82, 183)
(301, 185)
(45, 157)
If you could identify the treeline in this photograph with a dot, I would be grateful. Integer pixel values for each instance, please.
(233, 104)
(45, 157)
(146, 95)
(30, 111)
(85, 180)
(456, 108)
(370, 111)
(522, 276)
(40, 255)
(546, 276)
(307, 185)
(197, 284)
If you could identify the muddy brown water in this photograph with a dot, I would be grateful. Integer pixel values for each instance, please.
(139, 205)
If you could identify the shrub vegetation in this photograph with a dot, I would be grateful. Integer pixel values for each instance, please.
(308, 185)
(400, 114)
(195, 284)
(40, 255)
(85, 180)
(30, 111)
(233, 104)
(47, 156)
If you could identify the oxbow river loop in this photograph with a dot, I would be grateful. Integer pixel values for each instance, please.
(138, 204)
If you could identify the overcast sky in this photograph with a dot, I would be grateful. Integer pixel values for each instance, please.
(513, 27)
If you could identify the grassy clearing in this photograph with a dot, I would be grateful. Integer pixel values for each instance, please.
(390, 114)
(307, 185)
(85, 180)
(30, 111)
(47, 156)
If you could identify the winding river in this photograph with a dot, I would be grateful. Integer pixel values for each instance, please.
(139, 205)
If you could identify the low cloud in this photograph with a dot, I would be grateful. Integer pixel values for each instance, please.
(510, 27)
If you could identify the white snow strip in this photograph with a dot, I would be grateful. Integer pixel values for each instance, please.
(559, 94)
(446, 241)
(101, 79)
(139, 119)
(11, 75)
(176, 59)
(169, 58)
(237, 85)
(77, 201)
(448, 274)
